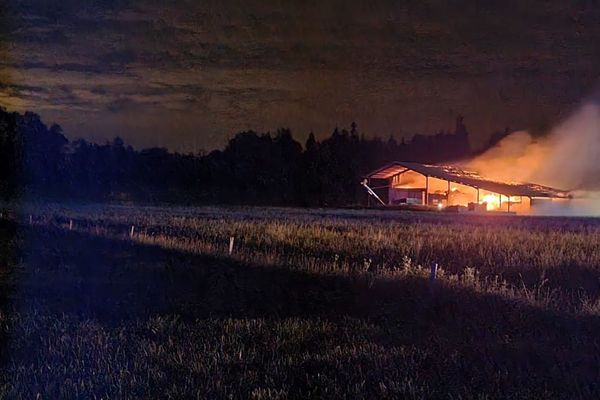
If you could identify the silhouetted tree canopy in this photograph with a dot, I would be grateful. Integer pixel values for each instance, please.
(254, 168)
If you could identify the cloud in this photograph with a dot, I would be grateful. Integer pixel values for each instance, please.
(394, 67)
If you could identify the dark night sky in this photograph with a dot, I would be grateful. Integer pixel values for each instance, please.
(188, 74)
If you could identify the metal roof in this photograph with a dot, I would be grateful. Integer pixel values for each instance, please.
(468, 178)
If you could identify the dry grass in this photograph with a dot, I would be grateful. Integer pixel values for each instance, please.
(552, 260)
(311, 304)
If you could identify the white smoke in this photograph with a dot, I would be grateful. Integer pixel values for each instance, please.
(572, 159)
(567, 158)
(583, 204)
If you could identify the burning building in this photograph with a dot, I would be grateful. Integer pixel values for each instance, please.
(443, 186)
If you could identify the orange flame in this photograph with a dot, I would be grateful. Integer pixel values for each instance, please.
(492, 201)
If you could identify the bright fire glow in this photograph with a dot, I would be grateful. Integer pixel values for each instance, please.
(493, 202)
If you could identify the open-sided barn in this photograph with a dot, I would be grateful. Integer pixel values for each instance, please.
(444, 185)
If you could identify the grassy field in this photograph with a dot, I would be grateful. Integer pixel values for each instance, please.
(309, 304)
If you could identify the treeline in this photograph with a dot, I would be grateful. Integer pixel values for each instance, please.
(38, 162)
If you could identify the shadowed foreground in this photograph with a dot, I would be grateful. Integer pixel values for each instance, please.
(84, 316)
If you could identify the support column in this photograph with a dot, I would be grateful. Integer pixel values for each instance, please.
(477, 195)
(499, 201)
(426, 190)
(508, 203)
(448, 195)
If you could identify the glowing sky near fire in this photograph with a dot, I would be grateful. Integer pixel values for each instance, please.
(567, 157)
(188, 75)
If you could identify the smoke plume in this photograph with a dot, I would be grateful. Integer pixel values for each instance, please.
(567, 158)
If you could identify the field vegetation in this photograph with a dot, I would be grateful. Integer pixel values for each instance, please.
(123, 302)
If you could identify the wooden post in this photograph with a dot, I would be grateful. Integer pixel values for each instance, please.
(231, 239)
(426, 190)
(448, 195)
(508, 203)
(432, 277)
(477, 195)
(499, 201)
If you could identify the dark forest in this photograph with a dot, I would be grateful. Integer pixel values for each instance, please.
(37, 161)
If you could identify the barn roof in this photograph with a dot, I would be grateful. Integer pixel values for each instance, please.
(468, 178)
